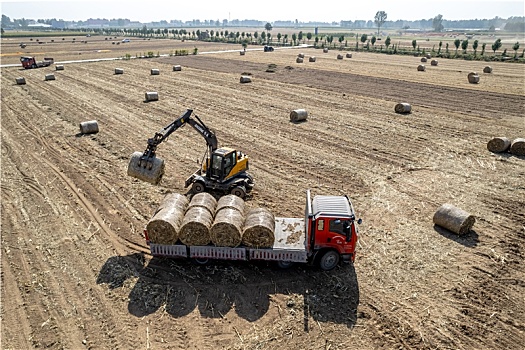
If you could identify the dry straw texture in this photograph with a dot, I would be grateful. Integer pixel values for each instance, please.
(164, 226)
(517, 147)
(403, 108)
(259, 228)
(498, 144)
(195, 227)
(226, 230)
(174, 200)
(454, 219)
(231, 201)
(153, 175)
(204, 200)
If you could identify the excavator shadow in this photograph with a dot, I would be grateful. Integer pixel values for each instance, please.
(249, 289)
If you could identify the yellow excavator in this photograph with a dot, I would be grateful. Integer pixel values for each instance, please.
(223, 169)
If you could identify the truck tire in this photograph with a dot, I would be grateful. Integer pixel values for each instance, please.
(285, 264)
(329, 260)
(239, 191)
(198, 187)
(33, 66)
(200, 261)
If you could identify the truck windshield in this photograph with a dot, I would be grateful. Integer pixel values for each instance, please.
(338, 226)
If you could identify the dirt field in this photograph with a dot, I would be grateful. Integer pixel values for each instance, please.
(75, 268)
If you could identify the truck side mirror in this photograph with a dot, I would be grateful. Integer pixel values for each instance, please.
(359, 221)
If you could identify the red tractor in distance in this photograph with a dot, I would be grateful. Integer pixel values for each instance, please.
(29, 62)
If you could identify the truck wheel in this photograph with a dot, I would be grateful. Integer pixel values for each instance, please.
(329, 260)
(200, 261)
(198, 187)
(285, 264)
(33, 65)
(239, 191)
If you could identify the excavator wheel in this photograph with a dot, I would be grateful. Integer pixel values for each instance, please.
(198, 187)
(239, 191)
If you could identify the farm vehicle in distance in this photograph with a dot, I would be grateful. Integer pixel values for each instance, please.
(29, 62)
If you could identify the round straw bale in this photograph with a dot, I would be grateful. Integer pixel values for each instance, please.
(429, 56)
(164, 226)
(423, 59)
(231, 201)
(339, 56)
(89, 127)
(49, 77)
(311, 59)
(299, 60)
(349, 55)
(195, 226)
(119, 71)
(325, 50)
(59, 67)
(300, 55)
(204, 200)
(177, 68)
(473, 78)
(453, 219)
(151, 96)
(487, 69)
(403, 108)
(245, 79)
(155, 71)
(517, 147)
(174, 200)
(498, 144)
(153, 175)
(226, 230)
(259, 228)
(298, 115)
(421, 68)
(242, 53)
(20, 80)
(434, 62)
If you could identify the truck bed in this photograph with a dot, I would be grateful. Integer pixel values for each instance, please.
(289, 245)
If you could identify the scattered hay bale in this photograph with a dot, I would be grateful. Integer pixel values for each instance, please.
(434, 62)
(325, 50)
(177, 68)
(453, 219)
(89, 127)
(301, 55)
(119, 71)
(204, 200)
(59, 67)
(498, 144)
(311, 59)
(245, 79)
(152, 175)
(339, 56)
(155, 71)
(299, 60)
(298, 115)
(20, 81)
(517, 147)
(429, 56)
(49, 77)
(487, 69)
(349, 55)
(403, 108)
(195, 226)
(421, 68)
(473, 78)
(259, 228)
(151, 96)
(226, 230)
(164, 226)
(423, 59)
(231, 201)
(242, 53)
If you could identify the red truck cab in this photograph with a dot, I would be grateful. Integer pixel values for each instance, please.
(331, 230)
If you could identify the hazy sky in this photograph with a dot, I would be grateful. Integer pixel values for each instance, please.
(263, 10)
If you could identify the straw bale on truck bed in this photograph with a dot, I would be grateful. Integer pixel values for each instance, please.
(259, 228)
(226, 230)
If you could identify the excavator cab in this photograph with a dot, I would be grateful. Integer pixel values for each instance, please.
(226, 163)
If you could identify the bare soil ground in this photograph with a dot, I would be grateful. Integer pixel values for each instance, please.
(76, 272)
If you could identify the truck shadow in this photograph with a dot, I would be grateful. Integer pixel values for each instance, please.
(248, 288)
